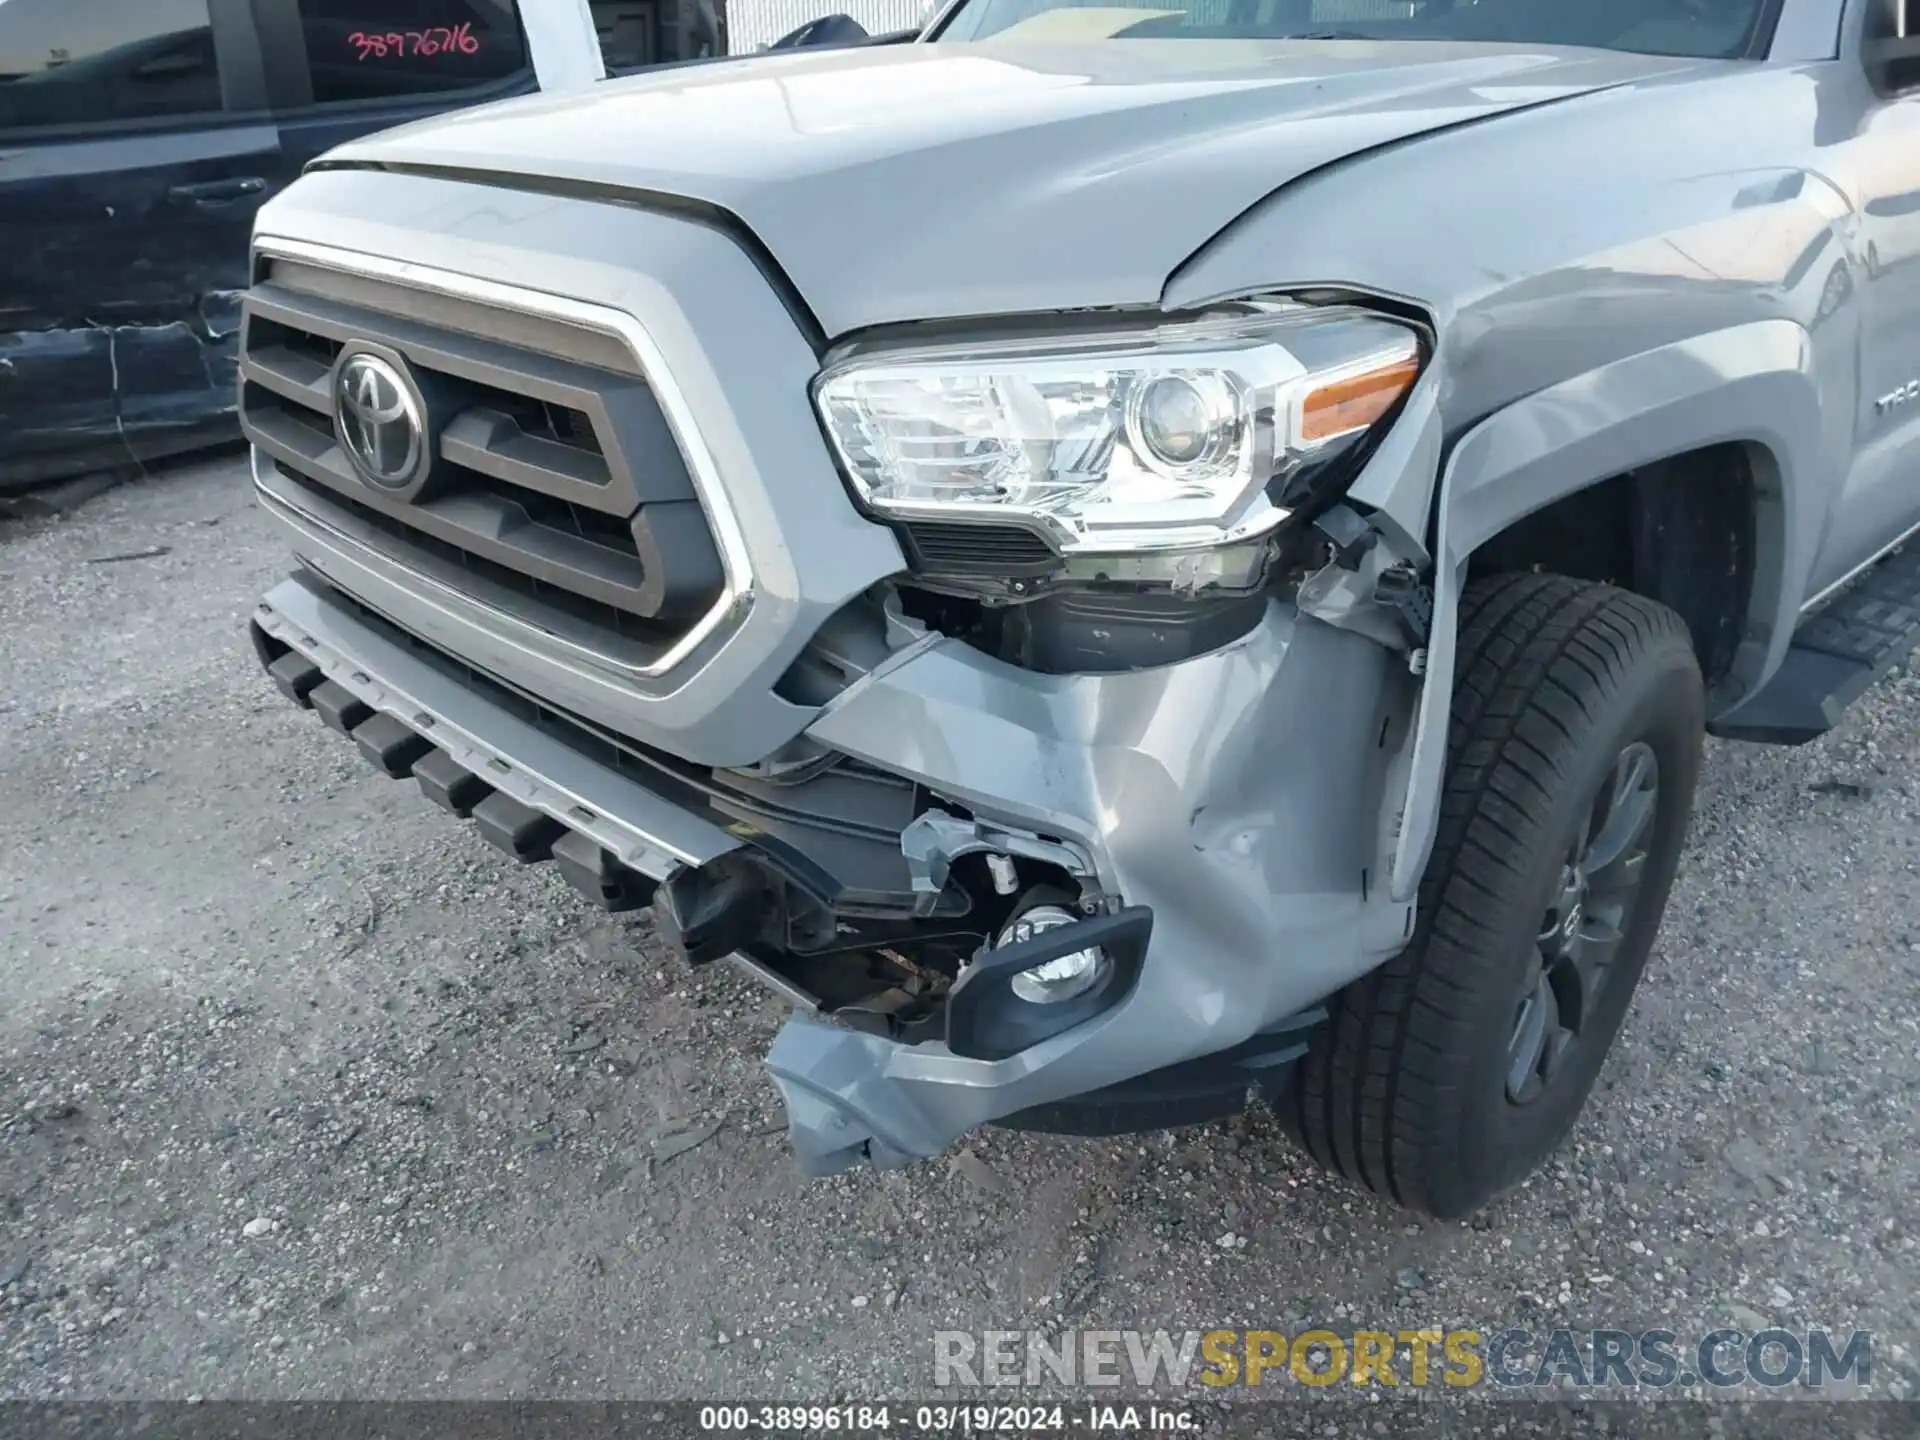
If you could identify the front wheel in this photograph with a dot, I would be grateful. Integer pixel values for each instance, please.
(1452, 1071)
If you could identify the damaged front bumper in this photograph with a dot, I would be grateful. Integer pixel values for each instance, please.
(1223, 819)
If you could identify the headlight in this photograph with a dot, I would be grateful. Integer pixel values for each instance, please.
(1170, 438)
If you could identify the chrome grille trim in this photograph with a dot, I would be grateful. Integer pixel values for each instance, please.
(736, 593)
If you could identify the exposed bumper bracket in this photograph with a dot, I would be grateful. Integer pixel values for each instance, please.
(936, 839)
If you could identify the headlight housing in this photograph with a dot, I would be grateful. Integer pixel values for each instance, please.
(1179, 436)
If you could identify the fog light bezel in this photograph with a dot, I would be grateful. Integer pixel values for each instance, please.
(987, 1020)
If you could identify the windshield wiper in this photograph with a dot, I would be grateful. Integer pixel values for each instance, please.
(1329, 35)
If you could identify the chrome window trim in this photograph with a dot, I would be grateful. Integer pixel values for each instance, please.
(736, 593)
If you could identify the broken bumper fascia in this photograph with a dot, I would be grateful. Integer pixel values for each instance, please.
(1238, 797)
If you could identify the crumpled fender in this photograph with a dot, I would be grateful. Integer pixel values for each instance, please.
(1752, 383)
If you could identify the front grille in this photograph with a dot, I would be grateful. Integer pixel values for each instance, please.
(558, 493)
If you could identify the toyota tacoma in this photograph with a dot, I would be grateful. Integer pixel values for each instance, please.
(1123, 558)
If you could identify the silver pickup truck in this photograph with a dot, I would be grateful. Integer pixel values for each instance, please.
(1123, 557)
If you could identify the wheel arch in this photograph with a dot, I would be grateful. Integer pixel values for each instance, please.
(1750, 387)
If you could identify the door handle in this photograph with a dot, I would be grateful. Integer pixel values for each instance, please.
(217, 192)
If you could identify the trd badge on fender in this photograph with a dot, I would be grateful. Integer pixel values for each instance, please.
(1892, 401)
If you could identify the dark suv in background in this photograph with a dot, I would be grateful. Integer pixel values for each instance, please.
(137, 140)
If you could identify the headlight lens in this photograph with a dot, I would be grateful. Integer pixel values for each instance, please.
(1167, 438)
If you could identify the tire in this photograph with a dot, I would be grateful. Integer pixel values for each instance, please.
(1419, 1087)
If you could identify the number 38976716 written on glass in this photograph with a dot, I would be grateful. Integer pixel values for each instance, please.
(442, 40)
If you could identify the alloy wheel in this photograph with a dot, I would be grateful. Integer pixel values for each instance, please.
(1585, 923)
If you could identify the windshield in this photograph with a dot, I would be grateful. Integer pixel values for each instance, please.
(1703, 28)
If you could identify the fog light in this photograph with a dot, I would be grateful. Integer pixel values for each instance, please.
(1021, 991)
(1060, 979)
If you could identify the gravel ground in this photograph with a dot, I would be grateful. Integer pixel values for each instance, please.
(305, 1092)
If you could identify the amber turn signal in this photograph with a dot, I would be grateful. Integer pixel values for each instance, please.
(1345, 406)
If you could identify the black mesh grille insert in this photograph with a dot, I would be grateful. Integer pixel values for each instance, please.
(989, 550)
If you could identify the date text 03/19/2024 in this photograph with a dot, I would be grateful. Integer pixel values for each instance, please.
(883, 1418)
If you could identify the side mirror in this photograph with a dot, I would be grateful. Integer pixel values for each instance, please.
(826, 32)
(1893, 46)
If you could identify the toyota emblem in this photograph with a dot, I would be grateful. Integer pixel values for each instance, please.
(378, 418)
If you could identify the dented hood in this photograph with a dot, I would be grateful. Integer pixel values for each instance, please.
(933, 181)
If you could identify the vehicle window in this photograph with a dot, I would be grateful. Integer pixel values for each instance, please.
(629, 32)
(1902, 45)
(1704, 28)
(636, 33)
(86, 62)
(387, 49)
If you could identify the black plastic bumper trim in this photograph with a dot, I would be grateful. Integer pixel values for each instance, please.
(518, 830)
(390, 745)
(296, 677)
(398, 750)
(449, 784)
(598, 874)
(338, 707)
(1193, 1092)
(706, 914)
